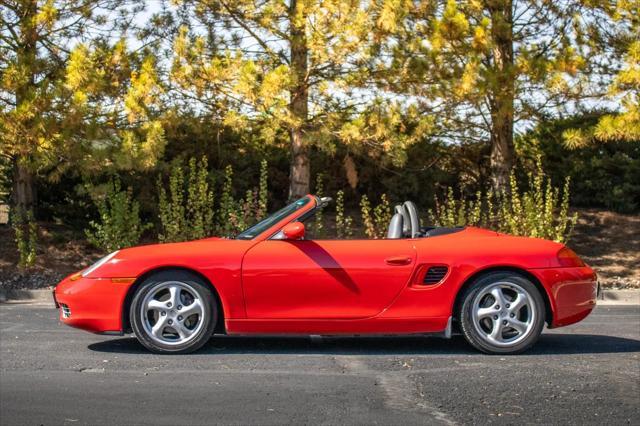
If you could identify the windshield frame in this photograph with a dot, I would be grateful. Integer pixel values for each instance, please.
(274, 227)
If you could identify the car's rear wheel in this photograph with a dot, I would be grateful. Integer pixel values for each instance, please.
(502, 313)
(173, 312)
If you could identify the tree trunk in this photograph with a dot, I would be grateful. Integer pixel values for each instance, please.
(24, 194)
(24, 197)
(299, 179)
(501, 98)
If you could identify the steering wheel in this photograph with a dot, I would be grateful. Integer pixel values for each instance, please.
(414, 220)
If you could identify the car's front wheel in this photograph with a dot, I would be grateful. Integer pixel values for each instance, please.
(502, 313)
(173, 312)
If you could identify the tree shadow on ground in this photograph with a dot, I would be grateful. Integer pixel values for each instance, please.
(549, 344)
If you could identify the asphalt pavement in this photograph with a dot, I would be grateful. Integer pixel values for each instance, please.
(588, 373)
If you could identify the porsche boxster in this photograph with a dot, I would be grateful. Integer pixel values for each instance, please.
(274, 278)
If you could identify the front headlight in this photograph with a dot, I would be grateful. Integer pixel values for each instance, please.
(98, 264)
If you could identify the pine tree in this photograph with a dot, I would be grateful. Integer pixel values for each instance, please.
(623, 125)
(70, 104)
(293, 66)
(482, 66)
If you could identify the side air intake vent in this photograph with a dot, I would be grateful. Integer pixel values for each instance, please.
(435, 274)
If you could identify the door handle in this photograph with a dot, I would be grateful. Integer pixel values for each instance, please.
(398, 260)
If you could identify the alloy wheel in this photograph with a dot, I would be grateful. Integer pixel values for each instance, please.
(172, 313)
(503, 314)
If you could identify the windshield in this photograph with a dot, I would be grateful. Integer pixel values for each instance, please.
(272, 219)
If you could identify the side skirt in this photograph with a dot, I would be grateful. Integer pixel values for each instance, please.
(369, 326)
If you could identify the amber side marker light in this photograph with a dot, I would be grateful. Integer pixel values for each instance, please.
(569, 259)
(123, 280)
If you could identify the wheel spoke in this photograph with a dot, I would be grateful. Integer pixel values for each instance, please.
(159, 327)
(519, 326)
(496, 331)
(485, 313)
(174, 295)
(156, 305)
(182, 331)
(194, 308)
(499, 296)
(521, 300)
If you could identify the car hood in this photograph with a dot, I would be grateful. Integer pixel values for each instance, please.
(200, 255)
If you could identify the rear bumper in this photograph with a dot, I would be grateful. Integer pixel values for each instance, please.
(94, 305)
(572, 292)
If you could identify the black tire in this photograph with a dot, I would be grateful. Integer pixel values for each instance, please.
(470, 330)
(193, 283)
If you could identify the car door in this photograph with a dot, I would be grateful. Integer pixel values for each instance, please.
(323, 279)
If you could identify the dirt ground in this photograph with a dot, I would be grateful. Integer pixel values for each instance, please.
(59, 253)
(609, 242)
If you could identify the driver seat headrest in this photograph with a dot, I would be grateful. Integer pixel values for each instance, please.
(414, 219)
(395, 230)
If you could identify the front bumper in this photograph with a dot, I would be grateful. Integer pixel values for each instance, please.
(92, 304)
(572, 292)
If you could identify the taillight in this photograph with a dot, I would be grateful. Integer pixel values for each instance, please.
(568, 259)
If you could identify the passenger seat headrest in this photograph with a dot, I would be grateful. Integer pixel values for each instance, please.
(406, 220)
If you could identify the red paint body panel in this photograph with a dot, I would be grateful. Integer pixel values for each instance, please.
(95, 303)
(269, 286)
(324, 279)
(572, 292)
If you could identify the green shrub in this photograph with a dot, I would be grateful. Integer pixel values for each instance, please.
(375, 220)
(200, 209)
(604, 174)
(452, 211)
(344, 224)
(382, 216)
(26, 236)
(237, 215)
(541, 210)
(119, 225)
(227, 215)
(318, 226)
(243, 213)
(263, 191)
(367, 220)
(196, 220)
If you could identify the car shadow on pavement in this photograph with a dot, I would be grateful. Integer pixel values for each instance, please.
(549, 344)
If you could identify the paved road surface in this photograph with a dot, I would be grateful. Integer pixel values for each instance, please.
(52, 374)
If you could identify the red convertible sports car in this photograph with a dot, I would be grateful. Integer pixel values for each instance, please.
(495, 289)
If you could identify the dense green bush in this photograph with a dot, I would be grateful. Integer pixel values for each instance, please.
(604, 174)
(186, 211)
(119, 225)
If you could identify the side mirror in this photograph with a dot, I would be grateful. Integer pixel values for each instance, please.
(293, 231)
